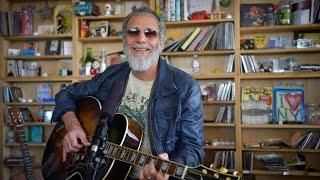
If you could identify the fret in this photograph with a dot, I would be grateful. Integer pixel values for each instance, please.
(172, 168)
(164, 167)
(112, 150)
(123, 153)
(128, 155)
(179, 171)
(138, 158)
(133, 157)
(142, 160)
(148, 159)
(158, 163)
(117, 149)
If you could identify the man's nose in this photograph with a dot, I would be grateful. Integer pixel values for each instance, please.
(142, 38)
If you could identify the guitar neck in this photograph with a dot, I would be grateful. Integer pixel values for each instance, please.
(25, 153)
(137, 158)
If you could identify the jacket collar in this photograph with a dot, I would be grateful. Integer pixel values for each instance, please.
(164, 84)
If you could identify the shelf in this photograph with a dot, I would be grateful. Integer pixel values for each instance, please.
(98, 18)
(211, 124)
(29, 144)
(39, 38)
(281, 51)
(281, 150)
(285, 126)
(193, 23)
(280, 28)
(38, 79)
(28, 104)
(31, 58)
(83, 78)
(101, 39)
(201, 53)
(218, 102)
(204, 76)
(287, 173)
(286, 75)
(35, 124)
(220, 147)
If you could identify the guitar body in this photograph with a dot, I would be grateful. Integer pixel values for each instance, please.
(122, 131)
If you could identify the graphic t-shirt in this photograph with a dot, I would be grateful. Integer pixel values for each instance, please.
(135, 104)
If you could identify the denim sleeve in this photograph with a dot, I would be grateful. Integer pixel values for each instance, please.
(190, 151)
(65, 100)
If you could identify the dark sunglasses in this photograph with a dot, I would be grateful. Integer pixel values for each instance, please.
(148, 32)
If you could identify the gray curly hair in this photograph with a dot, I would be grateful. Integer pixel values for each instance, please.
(142, 11)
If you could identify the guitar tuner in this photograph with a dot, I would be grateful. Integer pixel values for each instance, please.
(223, 170)
(204, 171)
(216, 175)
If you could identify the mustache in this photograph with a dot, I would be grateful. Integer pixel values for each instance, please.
(138, 45)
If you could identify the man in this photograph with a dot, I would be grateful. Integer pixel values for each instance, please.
(165, 101)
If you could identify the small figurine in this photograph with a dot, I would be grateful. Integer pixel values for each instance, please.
(109, 10)
(11, 137)
(59, 23)
(84, 29)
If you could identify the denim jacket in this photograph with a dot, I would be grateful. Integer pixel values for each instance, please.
(175, 109)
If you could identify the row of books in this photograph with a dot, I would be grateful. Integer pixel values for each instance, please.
(225, 158)
(12, 94)
(16, 23)
(308, 140)
(20, 68)
(173, 10)
(249, 64)
(225, 115)
(220, 37)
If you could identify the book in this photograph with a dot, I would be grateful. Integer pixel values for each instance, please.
(35, 134)
(191, 38)
(253, 14)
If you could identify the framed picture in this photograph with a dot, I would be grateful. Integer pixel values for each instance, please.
(53, 47)
(289, 105)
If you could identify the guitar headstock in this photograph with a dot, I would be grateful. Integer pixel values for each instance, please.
(202, 172)
(15, 115)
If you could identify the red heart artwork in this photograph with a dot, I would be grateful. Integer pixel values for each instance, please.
(293, 100)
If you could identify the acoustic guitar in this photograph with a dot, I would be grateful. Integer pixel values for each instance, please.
(29, 172)
(121, 152)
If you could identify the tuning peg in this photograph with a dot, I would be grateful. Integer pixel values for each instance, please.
(204, 171)
(216, 175)
(211, 166)
(223, 170)
(235, 173)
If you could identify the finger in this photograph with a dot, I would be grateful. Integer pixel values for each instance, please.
(64, 154)
(164, 156)
(152, 170)
(141, 176)
(75, 144)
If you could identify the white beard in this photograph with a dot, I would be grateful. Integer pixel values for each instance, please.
(142, 65)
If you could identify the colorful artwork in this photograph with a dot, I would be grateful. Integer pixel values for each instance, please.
(63, 19)
(289, 105)
(253, 14)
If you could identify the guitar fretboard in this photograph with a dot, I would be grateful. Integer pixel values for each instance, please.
(25, 153)
(137, 158)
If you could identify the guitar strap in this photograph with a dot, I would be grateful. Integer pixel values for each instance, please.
(109, 106)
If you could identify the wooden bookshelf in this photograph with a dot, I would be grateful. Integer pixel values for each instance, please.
(39, 79)
(38, 58)
(281, 150)
(203, 76)
(100, 39)
(280, 51)
(206, 22)
(200, 53)
(212, 124)
(225, 147)
(39, 38)
(281, 28)
(287, 173)
(276, 126)
(108, 18)
(286, 75)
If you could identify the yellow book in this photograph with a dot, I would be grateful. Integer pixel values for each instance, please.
(191, 38)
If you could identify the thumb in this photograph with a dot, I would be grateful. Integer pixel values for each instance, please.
(84, 140)
(164, 156)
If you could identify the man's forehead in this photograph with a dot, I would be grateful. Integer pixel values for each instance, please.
(135, 19)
